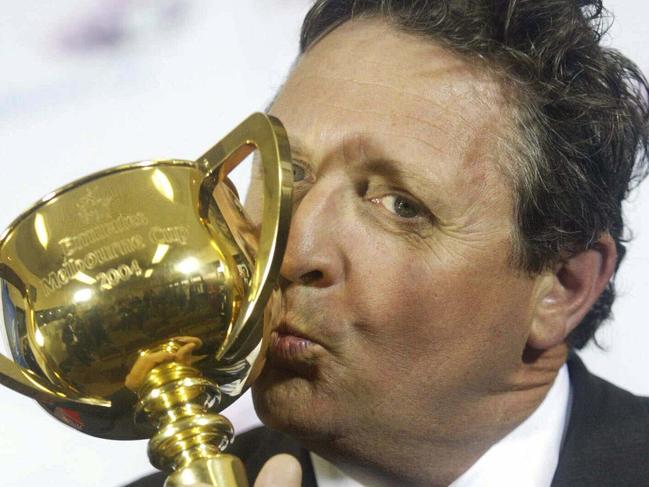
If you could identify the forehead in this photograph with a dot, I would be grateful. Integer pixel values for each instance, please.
(407, 97)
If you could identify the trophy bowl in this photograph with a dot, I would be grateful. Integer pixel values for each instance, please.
(137, 302)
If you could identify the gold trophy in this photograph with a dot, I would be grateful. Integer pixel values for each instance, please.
(138, 301)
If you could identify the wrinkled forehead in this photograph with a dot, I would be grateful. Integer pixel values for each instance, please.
(417, 74)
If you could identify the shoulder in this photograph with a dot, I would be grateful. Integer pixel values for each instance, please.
(607, 437)
(254, 448)
(602, 408)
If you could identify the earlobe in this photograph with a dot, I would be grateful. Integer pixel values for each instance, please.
(569, 291)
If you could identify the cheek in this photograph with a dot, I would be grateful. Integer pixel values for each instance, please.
(409, 305)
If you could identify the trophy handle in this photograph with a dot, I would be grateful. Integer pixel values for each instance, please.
(31, 385)
(27, 382)
(267, 134)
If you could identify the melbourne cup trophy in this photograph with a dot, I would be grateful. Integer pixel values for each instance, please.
(137, 302)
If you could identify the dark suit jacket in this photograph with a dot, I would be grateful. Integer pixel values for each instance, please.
(606, 442)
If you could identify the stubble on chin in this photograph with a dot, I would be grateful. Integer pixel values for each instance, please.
(294, 405)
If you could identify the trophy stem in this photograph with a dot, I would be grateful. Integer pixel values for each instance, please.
(189, 441)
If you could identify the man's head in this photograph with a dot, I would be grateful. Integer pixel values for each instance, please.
(579, 113)
(435, 268)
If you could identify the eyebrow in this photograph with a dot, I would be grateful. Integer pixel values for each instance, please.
(388, 168)
(381, 165)
(393, 170)
(298, 148)
(380, 162)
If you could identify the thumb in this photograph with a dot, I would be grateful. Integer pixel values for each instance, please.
(282, 470)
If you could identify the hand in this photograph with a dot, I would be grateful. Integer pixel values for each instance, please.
(147, 361)
(282, 470)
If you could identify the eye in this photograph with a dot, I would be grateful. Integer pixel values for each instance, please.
(299, 172)
(399, 205)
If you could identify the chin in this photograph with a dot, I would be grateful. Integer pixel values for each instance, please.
(289, 403)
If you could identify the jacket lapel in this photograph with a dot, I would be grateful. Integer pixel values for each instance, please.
(607, 438)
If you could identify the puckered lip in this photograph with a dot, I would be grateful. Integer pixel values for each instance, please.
(286, 329)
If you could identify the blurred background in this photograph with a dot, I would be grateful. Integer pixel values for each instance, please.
(94, 83)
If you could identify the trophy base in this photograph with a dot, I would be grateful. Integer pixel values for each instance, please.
(223, 470)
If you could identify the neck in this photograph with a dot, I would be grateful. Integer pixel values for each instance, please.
(437, 455)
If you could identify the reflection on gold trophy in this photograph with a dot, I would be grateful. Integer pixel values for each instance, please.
(137, 302)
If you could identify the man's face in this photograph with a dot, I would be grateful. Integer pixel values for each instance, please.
(403, 315)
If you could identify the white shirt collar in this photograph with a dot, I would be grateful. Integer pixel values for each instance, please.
(526, 457)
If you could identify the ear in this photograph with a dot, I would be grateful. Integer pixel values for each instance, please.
(569, 291)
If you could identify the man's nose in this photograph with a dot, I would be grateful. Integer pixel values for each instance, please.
(313, 255)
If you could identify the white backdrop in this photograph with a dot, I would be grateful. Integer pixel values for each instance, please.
(89, 84)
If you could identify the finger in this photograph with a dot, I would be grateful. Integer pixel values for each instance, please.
(188, 339)
(281, 470)
(184, 354)
(143, 366)
(150, 360)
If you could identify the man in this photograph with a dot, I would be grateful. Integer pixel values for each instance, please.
(460, 168)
